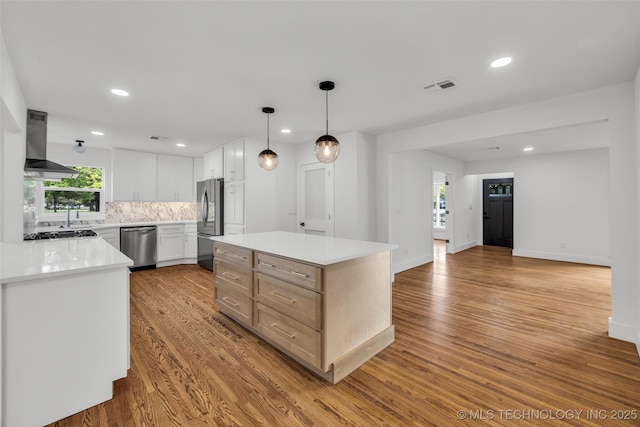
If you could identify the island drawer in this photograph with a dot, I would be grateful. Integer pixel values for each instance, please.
(299, 303)
(300, 340)
(233, 253)
(292, 271)
(234, 305)
(233, 276)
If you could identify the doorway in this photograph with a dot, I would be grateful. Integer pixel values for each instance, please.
(442, 225)
(315, 201)
(497, 212)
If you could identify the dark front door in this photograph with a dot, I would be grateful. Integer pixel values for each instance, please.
(498, 212)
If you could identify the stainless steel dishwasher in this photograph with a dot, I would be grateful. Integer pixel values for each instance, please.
(139, 244)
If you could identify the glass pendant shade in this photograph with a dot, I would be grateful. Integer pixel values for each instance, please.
(268, 160)
(327, 149)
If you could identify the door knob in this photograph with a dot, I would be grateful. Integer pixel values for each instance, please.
(302, 224)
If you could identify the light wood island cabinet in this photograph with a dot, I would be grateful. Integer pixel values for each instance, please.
(325, 302)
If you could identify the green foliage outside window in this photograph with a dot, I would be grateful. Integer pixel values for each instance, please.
(74, 192)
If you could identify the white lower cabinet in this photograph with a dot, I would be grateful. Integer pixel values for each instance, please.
(190, 241)
(111, 235)
(170, 242)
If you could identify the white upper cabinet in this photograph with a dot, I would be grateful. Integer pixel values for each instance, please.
(213, 164)
(234, 161)
(134, 176)
(175, 179)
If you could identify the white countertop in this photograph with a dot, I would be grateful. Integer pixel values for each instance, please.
(39, 259)
(319, 250)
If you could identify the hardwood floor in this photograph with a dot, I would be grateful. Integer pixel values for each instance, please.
(503, 339)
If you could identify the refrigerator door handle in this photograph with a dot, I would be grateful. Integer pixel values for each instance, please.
(204, 202)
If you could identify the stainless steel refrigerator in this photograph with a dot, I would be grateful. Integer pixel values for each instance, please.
(210, 210)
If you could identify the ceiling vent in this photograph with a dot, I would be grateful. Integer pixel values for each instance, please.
(158, 138)
(439, 85)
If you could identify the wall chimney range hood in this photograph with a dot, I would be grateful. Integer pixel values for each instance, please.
(37, 167)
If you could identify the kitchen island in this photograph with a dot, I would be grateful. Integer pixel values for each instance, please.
(65, 327)
(323, 301)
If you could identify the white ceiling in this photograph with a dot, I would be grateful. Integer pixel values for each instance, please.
(199, 72)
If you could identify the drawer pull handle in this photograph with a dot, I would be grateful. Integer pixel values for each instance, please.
(230, 276)
(298, 274)
(274, 326)
(290, 301)
(230, 301)
(267, 264)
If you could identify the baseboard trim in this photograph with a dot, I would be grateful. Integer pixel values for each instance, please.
(406, 265)
(624, 332)
(465, 246)
(553, 256)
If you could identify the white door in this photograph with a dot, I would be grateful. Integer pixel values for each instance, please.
(315, 204)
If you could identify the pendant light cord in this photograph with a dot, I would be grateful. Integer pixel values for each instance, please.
(327, 110)
(267, 131)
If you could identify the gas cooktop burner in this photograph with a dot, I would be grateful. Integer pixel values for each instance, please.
(63, 234)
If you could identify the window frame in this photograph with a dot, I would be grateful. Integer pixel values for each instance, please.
(40, 200)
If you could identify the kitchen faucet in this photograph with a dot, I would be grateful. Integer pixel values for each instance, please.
(69, 222)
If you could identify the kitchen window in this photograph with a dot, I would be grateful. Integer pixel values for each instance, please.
(83, 196)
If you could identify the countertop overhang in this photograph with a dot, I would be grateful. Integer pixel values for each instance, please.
(39, 259)
(320, 250)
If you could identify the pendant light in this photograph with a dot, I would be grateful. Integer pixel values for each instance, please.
(79, 148)
(327, 147)
(268, 159)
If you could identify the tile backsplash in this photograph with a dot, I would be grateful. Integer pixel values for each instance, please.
(122, 212)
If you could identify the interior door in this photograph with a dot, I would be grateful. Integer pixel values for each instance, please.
(315, 204)
(497, 209)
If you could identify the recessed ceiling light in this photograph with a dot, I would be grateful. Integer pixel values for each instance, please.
(528, 149)
(97, 132)
(180, 144)
(285, 130)
(501, 62)
(119, 92)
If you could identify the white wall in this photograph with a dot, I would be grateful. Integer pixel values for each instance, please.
(286, 187)
(410, 208)
(637, 124)
(614, 104)
(259, 191)
(561, 204)
(13, 112)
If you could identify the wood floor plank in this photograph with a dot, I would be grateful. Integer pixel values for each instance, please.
(480, 332)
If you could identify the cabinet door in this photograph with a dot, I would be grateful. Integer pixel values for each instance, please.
(190, 241)
(185, 183)
(234, 161)
(217, 170)
(170, 246)
(234, 203)
(124, 175)
(147, 176)
(214, 164)
(175, 178)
